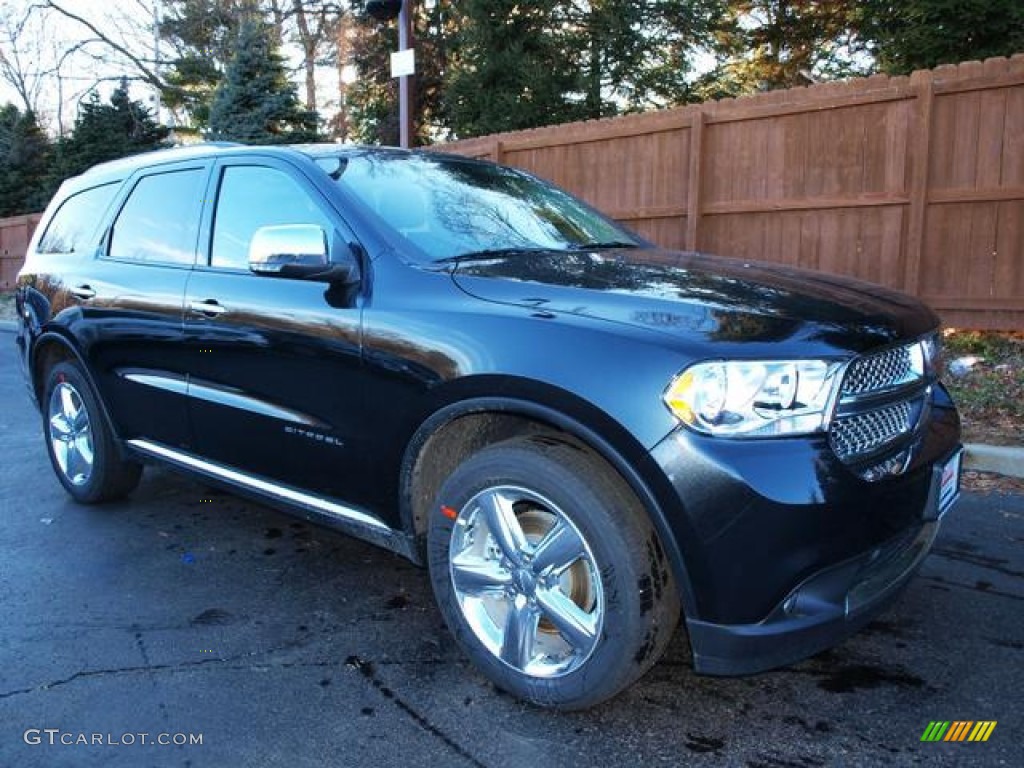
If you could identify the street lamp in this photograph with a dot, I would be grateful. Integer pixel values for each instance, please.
(386, 10)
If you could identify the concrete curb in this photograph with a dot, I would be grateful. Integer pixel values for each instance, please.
(1004, 459)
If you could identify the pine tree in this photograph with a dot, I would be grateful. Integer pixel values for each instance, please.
(768, 44)
(105, 132)
(201, 34)
(633, 56)
(510, 71)
(921, 34)
(24, 157)
(255, 102)
(521, 65)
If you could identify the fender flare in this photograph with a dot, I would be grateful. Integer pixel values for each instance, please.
(577, 429)
(51, 336)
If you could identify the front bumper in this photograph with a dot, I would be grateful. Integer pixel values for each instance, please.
(786, 550)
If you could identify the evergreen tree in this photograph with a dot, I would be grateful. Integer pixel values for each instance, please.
(24, 157)
(921, 34)
(633, 56)
(768, 44)
(255, 102)
(201, 34)
(510, 71)
(105, 132)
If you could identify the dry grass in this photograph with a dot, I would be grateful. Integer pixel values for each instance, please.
(990, 395)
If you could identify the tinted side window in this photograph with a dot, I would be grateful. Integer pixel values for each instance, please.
(160, 220)
(251, 197)
(76, 220)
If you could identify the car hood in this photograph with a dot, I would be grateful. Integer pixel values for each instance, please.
(699, 298)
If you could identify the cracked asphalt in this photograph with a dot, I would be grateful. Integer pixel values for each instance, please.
(189, 611)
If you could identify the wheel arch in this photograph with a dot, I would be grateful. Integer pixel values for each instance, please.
(446, 438)
(50, 348)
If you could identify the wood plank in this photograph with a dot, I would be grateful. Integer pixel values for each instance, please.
(964, 166)
(983, 82)
(948, 243)
(652, 212)
(980, 319)
(794, 156)
(1008, 259)
(810, 240)
(971, 302)
(992, 195)
(819, 203)
(977, 263)
(920, 150)
(743, 112)
(1012, 173)
(889, 254)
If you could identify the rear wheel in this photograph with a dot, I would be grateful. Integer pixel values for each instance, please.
(549, 573)
(79, 442)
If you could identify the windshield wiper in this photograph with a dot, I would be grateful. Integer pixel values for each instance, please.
(605, 245)
(496, 253)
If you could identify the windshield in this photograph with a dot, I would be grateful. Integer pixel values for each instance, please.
(452, 208)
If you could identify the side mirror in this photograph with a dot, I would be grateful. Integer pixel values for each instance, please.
(297, 251)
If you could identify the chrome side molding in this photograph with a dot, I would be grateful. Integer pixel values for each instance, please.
(220, 395)
(267, 487)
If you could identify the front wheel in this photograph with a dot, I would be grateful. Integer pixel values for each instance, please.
(549, 573)
(79, 442)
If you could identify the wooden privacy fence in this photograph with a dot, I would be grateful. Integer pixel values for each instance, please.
(14, 236)
(916, 183)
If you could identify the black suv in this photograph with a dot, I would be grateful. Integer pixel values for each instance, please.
(579, 433)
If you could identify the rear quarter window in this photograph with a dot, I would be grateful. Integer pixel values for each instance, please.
(74, 224)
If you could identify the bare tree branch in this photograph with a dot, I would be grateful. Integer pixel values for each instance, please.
(20, 52)
(147, 73)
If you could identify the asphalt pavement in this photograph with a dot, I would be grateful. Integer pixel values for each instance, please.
(186, 614)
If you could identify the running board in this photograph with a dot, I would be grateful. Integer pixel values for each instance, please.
(263, 487)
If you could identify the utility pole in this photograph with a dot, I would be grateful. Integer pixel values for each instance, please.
(406, 93)
(156, 56)
(404, 60)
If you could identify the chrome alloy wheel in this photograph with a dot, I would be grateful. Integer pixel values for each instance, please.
(71, 434)
(526, 581)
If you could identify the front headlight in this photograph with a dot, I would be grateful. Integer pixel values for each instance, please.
(755, 398)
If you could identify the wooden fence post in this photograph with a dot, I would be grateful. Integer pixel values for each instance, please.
(694, 180)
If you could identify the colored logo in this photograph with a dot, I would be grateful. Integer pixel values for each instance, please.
(959, 730)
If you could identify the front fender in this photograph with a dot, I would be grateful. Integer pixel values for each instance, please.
(567, 413)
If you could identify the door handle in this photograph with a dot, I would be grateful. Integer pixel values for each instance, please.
(207, 308)
(83, 291)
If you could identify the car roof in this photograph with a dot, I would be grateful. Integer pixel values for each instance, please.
(127, 165)
(114, 171)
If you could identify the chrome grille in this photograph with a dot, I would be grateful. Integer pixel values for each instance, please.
(864, 433)
(880, 371)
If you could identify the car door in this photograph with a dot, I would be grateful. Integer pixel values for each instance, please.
(275, 367)
(132, 300)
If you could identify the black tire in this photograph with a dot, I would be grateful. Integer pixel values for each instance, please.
(620, 582)
(106, 476)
